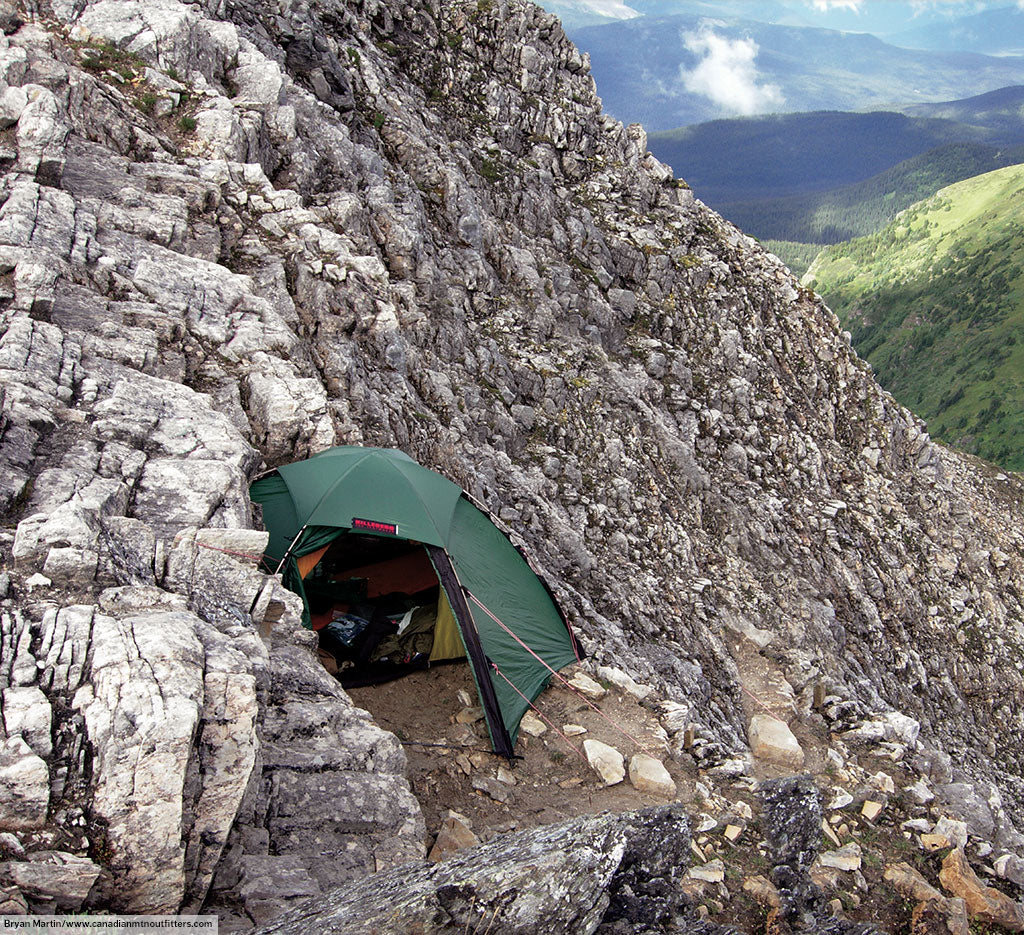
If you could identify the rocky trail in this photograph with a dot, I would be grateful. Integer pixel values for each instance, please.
(886, 849)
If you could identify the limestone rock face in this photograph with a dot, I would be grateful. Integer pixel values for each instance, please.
(550, 879)
(588, 874)
(232, 234)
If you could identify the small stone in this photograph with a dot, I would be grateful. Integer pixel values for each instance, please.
(504, 774)
(871, 809)
(919, 793)
(454, 835)
(909, 882)
(10, 846)
(934, 842)
(464, 698)
(840, 799)
(732, 833)
(772, 740)
(847, 857)
(37, 581)
(1010, 867)
(830, 834)
(883, 782)
(585, 685)
(469, 715)
(762, 891)
(491, 787)
(711, 872)
(606, 761)
(707, 823)
(955, 830)
(649, 775)
(729, 769)
(573, 730)
(743, 810)
(532, 724)
(624, 682)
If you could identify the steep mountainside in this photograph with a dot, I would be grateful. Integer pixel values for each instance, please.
(236, 232)
(935, 302)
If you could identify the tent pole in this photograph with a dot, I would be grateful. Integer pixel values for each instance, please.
(474, 649)
(288, 551)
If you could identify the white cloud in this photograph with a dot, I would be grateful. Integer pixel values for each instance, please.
(825, 5)
(614, 8)
(727, 75)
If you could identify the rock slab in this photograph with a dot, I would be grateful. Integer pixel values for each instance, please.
(772, 740)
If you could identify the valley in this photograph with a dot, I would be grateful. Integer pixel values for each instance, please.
(935, 301)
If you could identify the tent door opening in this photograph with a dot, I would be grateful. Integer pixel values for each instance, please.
(378, 609)
(383, 608)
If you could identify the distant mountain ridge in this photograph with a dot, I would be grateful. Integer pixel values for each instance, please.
(821, 178)
(935, 302)
(640, 66)
(788, 154)
(999, 31)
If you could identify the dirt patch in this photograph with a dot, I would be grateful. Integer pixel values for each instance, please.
(552, 779)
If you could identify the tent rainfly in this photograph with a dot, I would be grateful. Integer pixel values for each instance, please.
(507, 621)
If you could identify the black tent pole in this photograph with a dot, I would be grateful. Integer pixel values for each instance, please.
(492, 710)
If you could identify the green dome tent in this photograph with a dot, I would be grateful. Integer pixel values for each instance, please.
(511, 629)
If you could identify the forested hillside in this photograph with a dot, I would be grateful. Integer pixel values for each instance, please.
(793, 154)
(864, 207)
(935, 302)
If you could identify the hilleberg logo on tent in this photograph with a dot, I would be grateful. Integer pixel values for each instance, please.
(372, 525)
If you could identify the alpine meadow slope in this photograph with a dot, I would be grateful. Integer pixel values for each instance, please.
(237, 233)
(935, 301)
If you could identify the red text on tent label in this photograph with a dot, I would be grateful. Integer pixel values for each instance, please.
(372, 525)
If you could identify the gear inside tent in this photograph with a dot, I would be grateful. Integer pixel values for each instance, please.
(398, 569)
